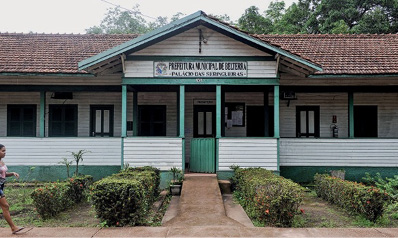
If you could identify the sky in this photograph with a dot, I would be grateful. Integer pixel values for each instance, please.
(75, 16)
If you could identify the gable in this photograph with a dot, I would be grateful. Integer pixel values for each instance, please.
(212, 43)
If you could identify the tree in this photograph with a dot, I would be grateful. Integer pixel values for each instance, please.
(117, 21)
(253, 22)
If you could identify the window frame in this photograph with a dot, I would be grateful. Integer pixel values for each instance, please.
(152, 122)
(317, 123)
(93, 108)
(51, 120)
(21, 108)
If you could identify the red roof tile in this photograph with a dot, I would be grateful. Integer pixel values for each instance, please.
(337, 54)
(52, 53)
(343, 54)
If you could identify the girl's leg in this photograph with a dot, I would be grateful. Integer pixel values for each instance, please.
(6, 213)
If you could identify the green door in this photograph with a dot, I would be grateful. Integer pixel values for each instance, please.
(203, 153)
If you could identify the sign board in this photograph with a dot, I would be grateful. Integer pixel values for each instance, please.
(204, 102)
(200, 69)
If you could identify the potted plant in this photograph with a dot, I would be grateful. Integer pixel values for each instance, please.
(176, 182)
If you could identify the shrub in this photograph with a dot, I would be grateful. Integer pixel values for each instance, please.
(352, 196)
(77, 187)
(266, 197)
(389, 185)
(51, 199)
(126, 198)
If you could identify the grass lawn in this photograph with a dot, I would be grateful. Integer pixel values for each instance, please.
(81, 215)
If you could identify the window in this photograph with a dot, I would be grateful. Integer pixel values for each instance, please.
(256, 123)
(63, 120)
(307, 121)
(101, 123)
(365, 121)
(152, 120)
(21, 120)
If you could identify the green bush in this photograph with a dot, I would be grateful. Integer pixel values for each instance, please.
(268, 198)
(77, 187)
(389, 185)
(352, 196)
(126, 198)
(51, 199)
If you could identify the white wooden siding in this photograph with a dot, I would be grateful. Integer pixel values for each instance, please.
(187, 44)
(329, 103)
(337, 104)
(248, 153)
(82, 99)
(339, 152)
(162, 153)
(387, 111)
(169, 99)
(256, 69)
(50, 151)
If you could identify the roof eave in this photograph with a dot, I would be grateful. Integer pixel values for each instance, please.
(195, 17)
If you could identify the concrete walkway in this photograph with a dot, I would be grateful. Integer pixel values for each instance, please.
(202, 212)
(201, 204)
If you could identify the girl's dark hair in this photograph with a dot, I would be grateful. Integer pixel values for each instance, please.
(1, 146)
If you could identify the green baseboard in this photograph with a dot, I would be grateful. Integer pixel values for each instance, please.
(58, 173)
(302, 174)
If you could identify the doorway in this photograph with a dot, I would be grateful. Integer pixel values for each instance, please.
(203, 152)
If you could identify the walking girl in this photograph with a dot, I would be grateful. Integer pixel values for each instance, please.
(3, 202)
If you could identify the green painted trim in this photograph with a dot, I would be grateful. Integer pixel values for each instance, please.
(181, 132)
(124, 111)
(135, 114)
(122, 155)
(351, 114)
(305, 174)
(58, 172)
(202, 81)
(276, 111)
(352, 75)
(61, 88)
(199, 58)
(42, 114)
(218, 111)
(261, 43)
(182, 111)
(140, 40)
(197, 17)
(48, 74)
(217, 153)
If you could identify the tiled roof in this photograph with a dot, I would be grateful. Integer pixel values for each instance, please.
(343, 54)
(52, 53)
(336, 54)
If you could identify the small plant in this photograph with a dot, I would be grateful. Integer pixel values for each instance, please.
(78, 157)
(177, 175)
(67, 164)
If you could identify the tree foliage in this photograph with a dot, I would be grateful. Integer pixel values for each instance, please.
(118, 21)
(304, 16)
(323, 16)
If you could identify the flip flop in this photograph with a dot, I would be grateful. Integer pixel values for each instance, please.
(18, 230)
